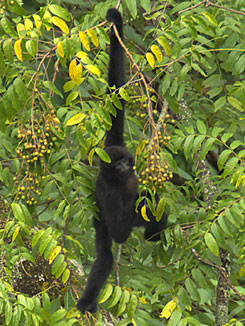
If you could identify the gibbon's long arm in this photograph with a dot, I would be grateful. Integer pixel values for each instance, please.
(116, 77)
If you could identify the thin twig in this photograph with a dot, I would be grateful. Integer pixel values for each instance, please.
(211, 4)
(117, 266)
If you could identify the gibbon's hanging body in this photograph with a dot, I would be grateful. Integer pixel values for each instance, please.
(116, 188)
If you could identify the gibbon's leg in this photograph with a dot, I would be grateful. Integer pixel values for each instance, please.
(100, 269)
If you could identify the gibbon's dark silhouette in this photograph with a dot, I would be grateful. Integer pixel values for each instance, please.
(116, 188)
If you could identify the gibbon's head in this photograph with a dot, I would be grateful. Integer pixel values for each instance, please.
(121, 160)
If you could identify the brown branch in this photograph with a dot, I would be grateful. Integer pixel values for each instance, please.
(211, 4)
(117, 265)
(222, 271)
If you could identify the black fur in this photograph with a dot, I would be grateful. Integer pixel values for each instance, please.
(116, 189)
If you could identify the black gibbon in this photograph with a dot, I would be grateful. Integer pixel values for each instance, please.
(116, 188)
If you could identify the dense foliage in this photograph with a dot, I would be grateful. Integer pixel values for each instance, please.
(185, 100)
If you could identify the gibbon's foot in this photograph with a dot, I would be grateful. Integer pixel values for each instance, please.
(87, 305)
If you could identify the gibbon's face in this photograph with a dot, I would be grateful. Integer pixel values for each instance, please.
(121, 160)
(124, 164)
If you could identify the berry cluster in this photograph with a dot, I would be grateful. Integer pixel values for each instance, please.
(36, 141)
(29, 185)
(155, 170)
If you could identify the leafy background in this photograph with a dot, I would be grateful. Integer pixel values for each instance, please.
(185, 98)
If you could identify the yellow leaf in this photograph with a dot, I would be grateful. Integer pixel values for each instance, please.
(84, 40)
(47, 18)
(15, 234)
(78, 74)
(165, 44)
(72, 67)
(134, 322)
(94, 37)
(54, 253)
(60, 49)
(17, 49)
(82, 55)
(151, 60)
(28, 24)
(76, 119)
(60, 23)
(93, 69)
(143, 300)
(20, 29)
(90, 156)
(37, 20)
(157, 52)
(210, 18)
(143, 213)
(168, 309)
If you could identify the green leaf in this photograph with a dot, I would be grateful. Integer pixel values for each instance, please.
(61, 269)
(216, 131)
(184, 298)
(51, 86)
(71, 97)
(236, 143)
(192, 289)
(201, 127)
(57, 263)
(8, 49)
(235, 103)
(7, 26)
(230, 165)
(50, 247)
(132, 305)
(132, 7)
(103, 155)
(106, 293)
(174, 88)
(123, 301)
(166, 83)
(197, 143)
(65, 276)
(219, 103)
(226, 136)
(18, 213)
(8, 312)
(45, 240)
(36, 237)
(223, 158)
(211, 244)
(116, 101)
(124, 94)
(160, 208)
(188, 145)
(115, 297)
(57, 315)
(225, 226)
(207, 147)
(31, 47)
(61, 12)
